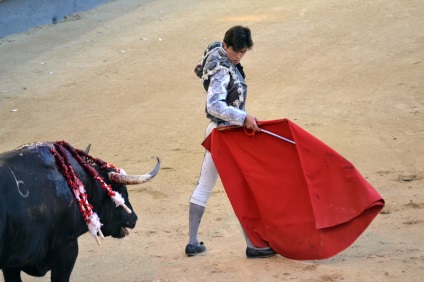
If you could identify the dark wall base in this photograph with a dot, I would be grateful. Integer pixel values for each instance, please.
(21, 15)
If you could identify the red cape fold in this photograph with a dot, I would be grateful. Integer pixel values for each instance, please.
(306, 201)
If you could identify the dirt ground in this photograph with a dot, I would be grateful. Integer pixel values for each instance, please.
(120, 77)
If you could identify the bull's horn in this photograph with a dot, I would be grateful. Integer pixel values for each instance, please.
(134, 179)
(87, 150)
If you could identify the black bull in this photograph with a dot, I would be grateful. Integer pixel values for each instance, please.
(40, 220)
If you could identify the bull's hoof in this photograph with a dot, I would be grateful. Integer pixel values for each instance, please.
(192, 250)
(264, 253)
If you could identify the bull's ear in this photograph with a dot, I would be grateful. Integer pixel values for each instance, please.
(88, 148)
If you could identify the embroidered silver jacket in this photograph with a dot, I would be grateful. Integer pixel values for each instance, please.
(225, 85)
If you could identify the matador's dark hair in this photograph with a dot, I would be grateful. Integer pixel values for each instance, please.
(238, 37)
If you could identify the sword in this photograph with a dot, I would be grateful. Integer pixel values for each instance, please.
(278, 136)
(262, 130)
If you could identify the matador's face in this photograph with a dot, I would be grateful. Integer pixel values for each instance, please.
(234, 56)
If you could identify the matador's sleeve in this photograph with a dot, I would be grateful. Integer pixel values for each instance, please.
(215, 101)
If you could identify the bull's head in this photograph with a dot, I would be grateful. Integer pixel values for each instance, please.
(117, 219)
(116, 215)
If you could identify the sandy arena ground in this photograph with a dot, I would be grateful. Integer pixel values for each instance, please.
(121, 78)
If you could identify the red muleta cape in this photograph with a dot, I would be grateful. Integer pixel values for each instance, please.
(305, 201)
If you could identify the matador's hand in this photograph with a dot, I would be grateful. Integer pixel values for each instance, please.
(250, 123)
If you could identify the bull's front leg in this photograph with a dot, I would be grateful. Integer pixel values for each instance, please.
(63, 260)
(12, 274)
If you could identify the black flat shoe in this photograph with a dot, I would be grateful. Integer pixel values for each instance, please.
(254, 253)
(192, 250)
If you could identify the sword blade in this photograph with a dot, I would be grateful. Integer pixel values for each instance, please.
(278, 136)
